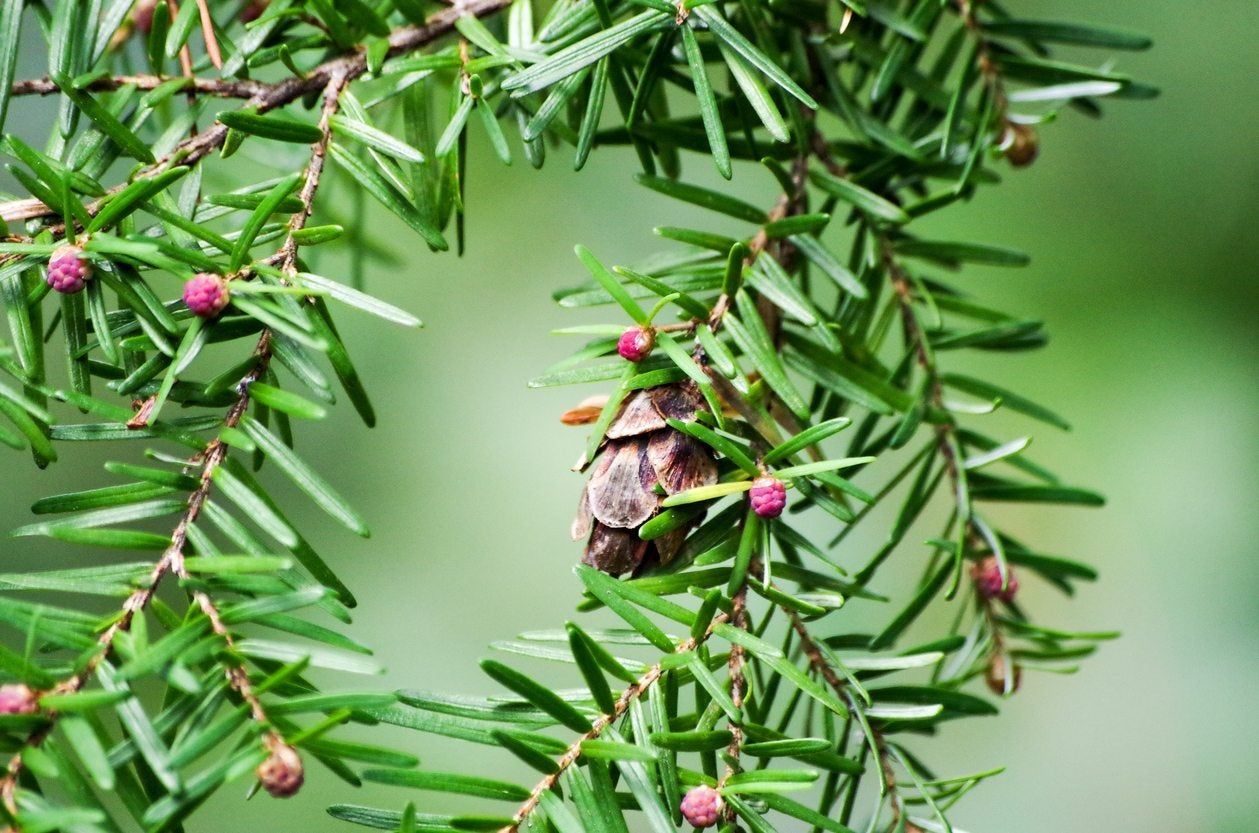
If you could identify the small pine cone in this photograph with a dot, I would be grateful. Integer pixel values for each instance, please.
(68, 270)
(768, 496)
(987, 576)
(16, 698)
(281, 774)
(636, 343)
(641, 451)
(1020, 144)
(702, 806)
(1003, 675)
(206, 294)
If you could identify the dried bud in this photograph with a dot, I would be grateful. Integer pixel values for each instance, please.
(1020, 144)
(768, 496)
(988, 580)
(206, 294)
(1002, 675)
(702, 806)
(281, 773)
(636, 343)
(68, 270)
(641, 452)
(16, 698)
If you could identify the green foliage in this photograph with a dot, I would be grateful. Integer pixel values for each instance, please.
(810, 331)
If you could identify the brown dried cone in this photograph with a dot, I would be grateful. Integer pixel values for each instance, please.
(641, 451)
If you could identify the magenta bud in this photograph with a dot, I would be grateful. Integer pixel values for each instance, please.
(206, 294)
(16, 698)
(702, 806)
(768, 496)
(281, 774)
(68, 270)
(636, 343)
(987, 575)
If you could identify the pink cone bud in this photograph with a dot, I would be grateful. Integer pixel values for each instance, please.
(635, 344)
(206, 294)
(68, 270)
(16, 698)
(987, 575)
(768, 496)
(281, 774)
(702, 806)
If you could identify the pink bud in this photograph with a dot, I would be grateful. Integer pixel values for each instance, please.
(68, 270)
(702, 806)
(281, 774)
(16, 698)
(206, 294)
(987, 576)
(636, 343)
(768, 496)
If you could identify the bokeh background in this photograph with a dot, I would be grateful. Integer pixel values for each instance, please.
(1141, 226)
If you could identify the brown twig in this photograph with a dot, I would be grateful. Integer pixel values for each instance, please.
(221, 88)
(738, 686)
(817, 659)
(601, 724)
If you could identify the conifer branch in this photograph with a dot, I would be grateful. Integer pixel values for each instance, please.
(272, 96)
(172, 560)
(603, 722)
(735, 363)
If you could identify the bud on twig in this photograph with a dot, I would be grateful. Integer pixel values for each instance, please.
(768, 496)
(16, 698)
(1020, 144)
(206, 294)
(281, 774)
(1003, 675)
(68, 270)
(702, 806)
(636, 343)
(988, 580)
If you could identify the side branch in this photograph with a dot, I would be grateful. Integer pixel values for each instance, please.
(172, 559)
(602, 722)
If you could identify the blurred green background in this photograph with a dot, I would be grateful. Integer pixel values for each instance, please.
(1144, 265)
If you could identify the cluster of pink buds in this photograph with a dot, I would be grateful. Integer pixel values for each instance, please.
(68, 270)
(281, 773)
(768, 496)
(636, 343)
(206, 294)
(988, 581)
(16, 698)
(702, 806)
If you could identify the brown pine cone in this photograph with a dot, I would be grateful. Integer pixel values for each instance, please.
(641, 451)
